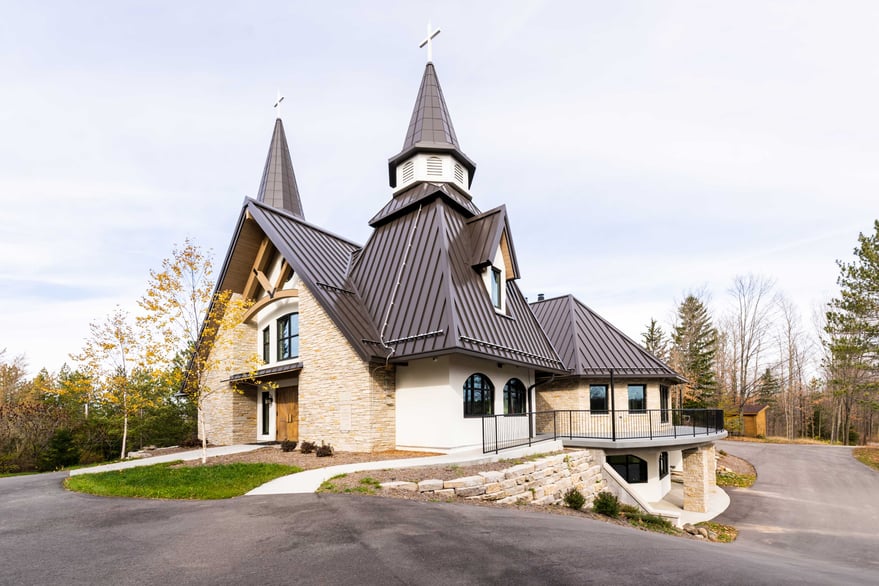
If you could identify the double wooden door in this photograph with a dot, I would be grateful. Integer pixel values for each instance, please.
(287, 410)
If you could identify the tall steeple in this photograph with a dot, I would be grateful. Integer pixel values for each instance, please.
(278, 186)
(430, 133)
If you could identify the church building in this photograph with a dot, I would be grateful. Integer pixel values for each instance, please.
(421, 338)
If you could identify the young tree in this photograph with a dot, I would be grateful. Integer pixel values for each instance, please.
(655, 340)
(853, 332)
(184, 318)
(113, 357)
(694, 344)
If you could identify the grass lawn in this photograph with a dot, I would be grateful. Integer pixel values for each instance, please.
(725, 478)
(162, 481)
(869, 456)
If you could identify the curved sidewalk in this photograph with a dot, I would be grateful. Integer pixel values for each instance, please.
(150, 460)
(309, 481)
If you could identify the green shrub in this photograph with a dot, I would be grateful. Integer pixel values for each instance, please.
(307, 447)
(606, 503)
(288, 446)
(574, 498)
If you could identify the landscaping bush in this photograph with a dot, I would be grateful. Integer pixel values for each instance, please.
(574, 498)
(324, 450)
(288, 446)
(61, 452)
(606, 503)
(307, 447)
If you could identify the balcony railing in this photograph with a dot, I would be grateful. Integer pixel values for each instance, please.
(501, 432)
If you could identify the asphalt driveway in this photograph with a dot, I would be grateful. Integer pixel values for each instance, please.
(48, 535)
(812, 503)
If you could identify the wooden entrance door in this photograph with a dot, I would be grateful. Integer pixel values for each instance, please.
(287, 409)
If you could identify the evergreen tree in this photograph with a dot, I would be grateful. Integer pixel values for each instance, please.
(655, 341)
(767, 389)
(694, 345)
(853, 333)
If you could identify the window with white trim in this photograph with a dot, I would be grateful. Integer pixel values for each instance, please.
(288, 336)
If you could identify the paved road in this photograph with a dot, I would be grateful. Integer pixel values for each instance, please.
(809, 503)
(48, 535)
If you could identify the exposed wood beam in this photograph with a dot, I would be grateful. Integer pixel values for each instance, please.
(258, 265)
(283, 275)
(256, 307)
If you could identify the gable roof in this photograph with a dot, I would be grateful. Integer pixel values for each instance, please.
(590, 346)
(753, 409)
(430, 128)
(278, 185)
(320, 259)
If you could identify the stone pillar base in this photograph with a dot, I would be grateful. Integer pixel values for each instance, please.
(699, 479)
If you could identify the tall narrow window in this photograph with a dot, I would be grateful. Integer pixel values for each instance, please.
(478, 396)
(598, 398)
(663, 403)
(266, 346)
(663, 464)
(514, 397)
(266, 411)
(637, 399)
(288, 336)
(496, 287)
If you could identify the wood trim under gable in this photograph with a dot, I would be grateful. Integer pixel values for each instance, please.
(259, 305)
(258, 265)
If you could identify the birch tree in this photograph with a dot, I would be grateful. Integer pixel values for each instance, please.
(185, 321)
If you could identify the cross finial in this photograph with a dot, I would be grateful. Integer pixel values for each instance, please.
(277, 105)
(427, 41)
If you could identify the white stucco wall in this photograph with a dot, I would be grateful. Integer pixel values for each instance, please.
(430, 401)
(655, 488)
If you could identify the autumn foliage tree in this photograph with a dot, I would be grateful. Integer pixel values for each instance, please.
(184, 318)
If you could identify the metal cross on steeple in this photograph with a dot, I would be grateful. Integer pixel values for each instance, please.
(278, 103)
(427, 41)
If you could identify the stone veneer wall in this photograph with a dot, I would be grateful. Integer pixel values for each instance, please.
(542, 482)
(230, 416)
(343, 400)
(700, 467)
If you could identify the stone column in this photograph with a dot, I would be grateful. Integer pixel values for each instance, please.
(698, 477)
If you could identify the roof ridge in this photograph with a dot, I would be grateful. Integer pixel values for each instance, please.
(300, 220)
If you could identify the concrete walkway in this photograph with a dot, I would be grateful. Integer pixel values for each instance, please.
(149, 461)
(309, 481)
(718, 502)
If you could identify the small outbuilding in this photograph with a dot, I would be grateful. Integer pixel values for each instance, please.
(754, 420)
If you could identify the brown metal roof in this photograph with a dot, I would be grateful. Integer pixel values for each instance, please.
(486, 232)
(278, 186)
(590, 346)
(752, 409)
(430, 128)
(440, 304)
(421, 193)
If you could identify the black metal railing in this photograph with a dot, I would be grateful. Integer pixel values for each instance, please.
(500, 432)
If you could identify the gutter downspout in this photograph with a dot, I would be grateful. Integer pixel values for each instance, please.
(613, 409)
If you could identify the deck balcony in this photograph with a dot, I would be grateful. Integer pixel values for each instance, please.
(613, 429)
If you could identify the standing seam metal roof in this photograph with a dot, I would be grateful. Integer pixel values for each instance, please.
(278, 185)
(589, 345)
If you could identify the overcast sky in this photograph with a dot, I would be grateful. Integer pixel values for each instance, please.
(643, 149)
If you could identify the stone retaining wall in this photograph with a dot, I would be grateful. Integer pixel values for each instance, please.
(542, 482)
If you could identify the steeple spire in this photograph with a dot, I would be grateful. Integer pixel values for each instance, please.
(430, 129)
(278, 186)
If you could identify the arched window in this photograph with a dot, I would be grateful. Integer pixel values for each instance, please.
(514, 397)
(288, 336)
(478, 396)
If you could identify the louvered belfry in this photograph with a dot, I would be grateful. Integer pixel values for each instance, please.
(278, 186)
(430, 128)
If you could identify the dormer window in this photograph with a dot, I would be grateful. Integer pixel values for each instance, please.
(496, 279)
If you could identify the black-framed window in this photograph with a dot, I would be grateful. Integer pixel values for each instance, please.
(478, 396)
(598, 398)
(496, 287)
(663, 403)
(663, 464)
(632, 468)
(266, 345)
(288, 336)
(637, 398)
(515, 397)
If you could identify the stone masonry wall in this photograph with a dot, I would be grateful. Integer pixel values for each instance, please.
(699, 477)
(542, 482)
(227, 417)
(343, 400)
